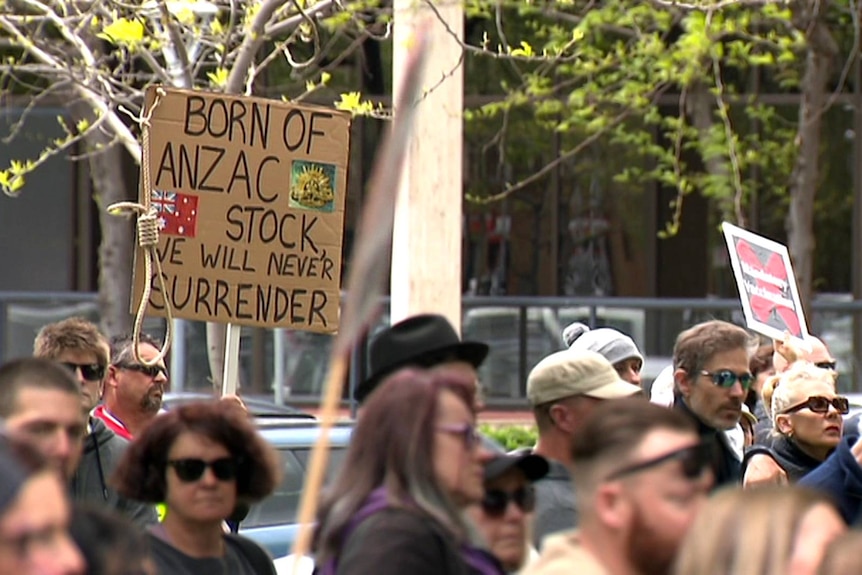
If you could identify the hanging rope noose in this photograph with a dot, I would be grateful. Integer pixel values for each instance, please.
(148, 239)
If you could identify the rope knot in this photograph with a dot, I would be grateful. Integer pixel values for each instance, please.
(148, 229)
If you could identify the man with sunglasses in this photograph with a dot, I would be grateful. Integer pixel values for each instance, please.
(711, 379)
(564, 388)
(79, 346)
(503, 515)
(133, 390)
(818, 354)
(642, 474)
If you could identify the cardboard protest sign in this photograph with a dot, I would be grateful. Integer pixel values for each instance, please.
(250, 195)
(767, 286)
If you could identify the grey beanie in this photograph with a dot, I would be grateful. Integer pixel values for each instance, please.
(614, 345)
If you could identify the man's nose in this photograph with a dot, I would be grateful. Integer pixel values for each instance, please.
(62, 443)
(80, 375)
(67, 558)
(736, 389)
(208, 477)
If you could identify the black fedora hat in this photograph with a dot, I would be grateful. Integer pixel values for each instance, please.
(421, 340)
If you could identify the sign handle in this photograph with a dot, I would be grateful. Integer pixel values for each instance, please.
(230, 376)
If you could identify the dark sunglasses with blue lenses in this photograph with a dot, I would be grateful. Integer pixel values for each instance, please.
(495, 501)
(89, 371)
(190, 469)
(694, 459)
(726, 378)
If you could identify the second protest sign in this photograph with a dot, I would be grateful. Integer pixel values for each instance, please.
(250, 195)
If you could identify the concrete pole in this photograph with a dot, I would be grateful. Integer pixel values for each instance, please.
(426, 246)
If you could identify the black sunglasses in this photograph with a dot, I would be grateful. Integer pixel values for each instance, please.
(726, 378)
(830, 365)
(152, 371)
(820, 404)
(89, 371)
(495, 501)
(694, 459)
(191, 469)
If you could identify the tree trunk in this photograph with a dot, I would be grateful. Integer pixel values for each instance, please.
(117, 247)
(806, 171)
(118, 237)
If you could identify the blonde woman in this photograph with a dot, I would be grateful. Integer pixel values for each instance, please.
(768, 531)
(807, 423)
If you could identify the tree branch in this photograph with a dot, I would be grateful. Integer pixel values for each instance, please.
(568, 154)
(129, 141)
(708, 7)
(322, 8)
(254, 37)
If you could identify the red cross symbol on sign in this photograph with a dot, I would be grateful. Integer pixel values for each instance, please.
(764, 307)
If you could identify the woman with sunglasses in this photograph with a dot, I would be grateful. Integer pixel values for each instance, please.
(201, 460)
(504, 514)
(414, 464)
(807, 419)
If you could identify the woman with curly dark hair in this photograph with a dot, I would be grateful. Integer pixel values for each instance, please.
(201, 460)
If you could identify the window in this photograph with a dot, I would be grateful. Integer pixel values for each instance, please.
(282, 507)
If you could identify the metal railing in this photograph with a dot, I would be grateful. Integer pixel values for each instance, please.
(290, 366)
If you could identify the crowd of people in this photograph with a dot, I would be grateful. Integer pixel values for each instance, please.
(737, 461)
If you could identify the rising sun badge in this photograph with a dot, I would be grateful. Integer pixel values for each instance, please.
(312, 186)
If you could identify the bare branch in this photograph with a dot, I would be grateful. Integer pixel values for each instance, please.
(288, 24)
(176, 45)
(707, 6)
(568, 154)
(254, 37)
(93, 99)
(33, 102)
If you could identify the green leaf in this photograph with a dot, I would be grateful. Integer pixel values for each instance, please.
(219, 77)
(352, 102)
(524, 51)
(123, 32)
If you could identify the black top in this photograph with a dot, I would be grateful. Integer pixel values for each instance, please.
(795, 462)
(395, 541)
(242, 557)
(726, 468)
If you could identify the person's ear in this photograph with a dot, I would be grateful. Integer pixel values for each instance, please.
(110, 378)
(783, 423)
(611, 505)
(682, 382)
(559, 415)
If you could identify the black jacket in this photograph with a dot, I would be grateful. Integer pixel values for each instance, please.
(726, 468)
(795, 462)
(840, 477)
(395, 541)
(102, 452)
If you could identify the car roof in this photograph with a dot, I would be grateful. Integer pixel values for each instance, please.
(303, 433)
(259, 408)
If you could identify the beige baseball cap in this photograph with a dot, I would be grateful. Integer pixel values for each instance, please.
(576, 372)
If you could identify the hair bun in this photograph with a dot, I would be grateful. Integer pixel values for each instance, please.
(573, 332)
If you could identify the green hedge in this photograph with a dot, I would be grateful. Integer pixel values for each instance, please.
(511, 437)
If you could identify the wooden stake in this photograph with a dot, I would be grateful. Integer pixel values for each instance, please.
(367, 276)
